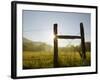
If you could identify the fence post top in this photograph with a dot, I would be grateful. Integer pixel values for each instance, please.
(81, 23)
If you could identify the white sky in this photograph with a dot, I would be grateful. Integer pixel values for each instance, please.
(38, 25)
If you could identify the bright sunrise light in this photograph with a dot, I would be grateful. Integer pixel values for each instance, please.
(38, 26)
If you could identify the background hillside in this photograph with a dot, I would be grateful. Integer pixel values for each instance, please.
(29, 45)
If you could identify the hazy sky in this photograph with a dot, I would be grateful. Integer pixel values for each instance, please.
(38, 26)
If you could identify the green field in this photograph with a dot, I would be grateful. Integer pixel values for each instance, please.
(40, 55)
(44, 59)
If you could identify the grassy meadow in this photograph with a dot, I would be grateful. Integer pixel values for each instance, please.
(33, 60)
(40, 55)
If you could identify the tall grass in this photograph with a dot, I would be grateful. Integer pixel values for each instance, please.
(44, 59)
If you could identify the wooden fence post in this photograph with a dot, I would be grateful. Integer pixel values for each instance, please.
(55, 46)
(83, 43)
